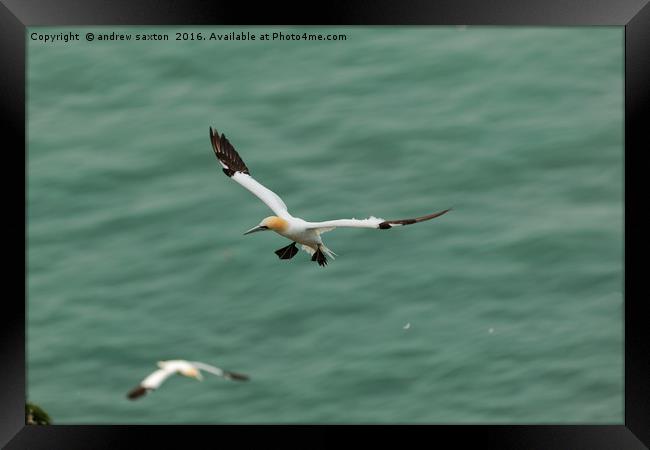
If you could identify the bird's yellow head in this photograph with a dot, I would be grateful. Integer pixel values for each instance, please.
(273, 223)
(192, 372)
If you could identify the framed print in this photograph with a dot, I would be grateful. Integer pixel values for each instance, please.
(375, 215)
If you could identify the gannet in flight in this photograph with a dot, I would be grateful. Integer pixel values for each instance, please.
(182, 367)
(308, 234)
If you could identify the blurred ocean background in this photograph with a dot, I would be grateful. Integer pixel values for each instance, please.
(136, 254)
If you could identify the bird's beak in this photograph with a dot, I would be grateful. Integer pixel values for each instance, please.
(256, 229)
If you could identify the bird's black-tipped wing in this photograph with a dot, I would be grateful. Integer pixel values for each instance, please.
(391, 223)
(371, 222)
(236, 169)
(226, 154)
(227, 374)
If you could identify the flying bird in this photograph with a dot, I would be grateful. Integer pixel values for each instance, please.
(178, 366)
(297, 230)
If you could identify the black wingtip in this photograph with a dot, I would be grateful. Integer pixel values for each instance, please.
(438, 214)
(214, 136)
(236, 376)
(226, 153)
(389, 223)
(137, 392)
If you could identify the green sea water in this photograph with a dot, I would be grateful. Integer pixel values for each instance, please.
(136, 254)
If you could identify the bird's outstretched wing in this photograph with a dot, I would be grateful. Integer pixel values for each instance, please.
(371, 222)
(153, 381)
(235, 168)
(220, 372)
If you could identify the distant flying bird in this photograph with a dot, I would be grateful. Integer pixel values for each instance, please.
(308, 234)
(181, 367)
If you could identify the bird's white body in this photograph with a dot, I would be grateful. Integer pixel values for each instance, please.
(297, 230)
(302, 232)
(167, 369)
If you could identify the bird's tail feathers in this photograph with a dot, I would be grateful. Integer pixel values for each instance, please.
(327, 251)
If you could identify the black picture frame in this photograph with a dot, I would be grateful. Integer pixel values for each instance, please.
(633, 15)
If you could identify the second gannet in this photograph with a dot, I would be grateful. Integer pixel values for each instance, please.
(308, 234)
(179, 366)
